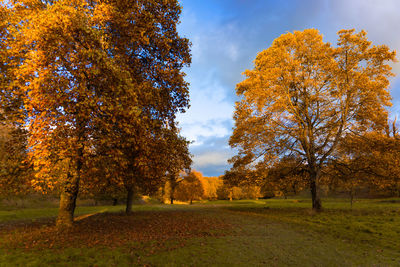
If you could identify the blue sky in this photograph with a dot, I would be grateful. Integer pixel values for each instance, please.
(226, 36)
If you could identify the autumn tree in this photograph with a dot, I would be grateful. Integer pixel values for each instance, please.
(66, 77)
(286, 176)
(177, 159)
(368, 160)
(190, 188)
(210, 185)
(15, 170)
(224, 192)
(145, 40)
(90, 73)
(304, 95)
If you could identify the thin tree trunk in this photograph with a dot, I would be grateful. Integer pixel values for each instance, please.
(171, 194)
(129, 200)
(351, 198)
(316, 200)
(173, 185)
(68, 196)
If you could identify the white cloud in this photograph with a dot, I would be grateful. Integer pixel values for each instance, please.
(211, 158)
(379, 18)
(207, 128)
(209, 108)
(233, 52)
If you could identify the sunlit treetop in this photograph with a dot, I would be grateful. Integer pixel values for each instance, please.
(304, 95)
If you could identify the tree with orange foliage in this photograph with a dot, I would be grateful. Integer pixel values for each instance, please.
(287, 176)
(67, 78)
(178, 160)
(94, 73)
(369, 160)
(304, 95)
(15, 170)
(145, 40)
(190, 188)
(211, 185)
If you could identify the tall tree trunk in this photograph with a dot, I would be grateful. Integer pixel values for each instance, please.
(68, 196)
(316, 200)
(70, 190)
(129, 200)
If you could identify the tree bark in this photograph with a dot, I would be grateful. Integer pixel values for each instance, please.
(316, 200)
(129, 200)
(68, 196)
(70, 190)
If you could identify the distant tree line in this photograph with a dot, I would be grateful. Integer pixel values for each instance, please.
(194, 186)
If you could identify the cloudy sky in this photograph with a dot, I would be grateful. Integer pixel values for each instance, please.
(226, 36)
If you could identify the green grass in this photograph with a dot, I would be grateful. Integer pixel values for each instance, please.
(32, 214)
(37, 213)
(271, 232)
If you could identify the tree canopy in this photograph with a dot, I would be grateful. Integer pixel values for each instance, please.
(93, 79)
(304, 95)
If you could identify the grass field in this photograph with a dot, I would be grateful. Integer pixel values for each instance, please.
(272, 232)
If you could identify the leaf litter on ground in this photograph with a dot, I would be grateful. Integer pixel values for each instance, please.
(115, 230)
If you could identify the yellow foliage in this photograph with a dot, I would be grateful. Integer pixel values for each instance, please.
(304, 95)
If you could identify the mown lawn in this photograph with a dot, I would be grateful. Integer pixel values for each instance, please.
(273, 232)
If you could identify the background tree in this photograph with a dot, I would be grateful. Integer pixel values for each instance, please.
(190, 188)
(210, 185)
(287, 176)
(15, 170)
(304, 96)
(368, 160)
(178, 161)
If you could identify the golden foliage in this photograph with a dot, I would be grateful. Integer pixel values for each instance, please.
(304, 95)
(97, 82)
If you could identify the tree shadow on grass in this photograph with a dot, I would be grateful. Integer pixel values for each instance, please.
(115, 230)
